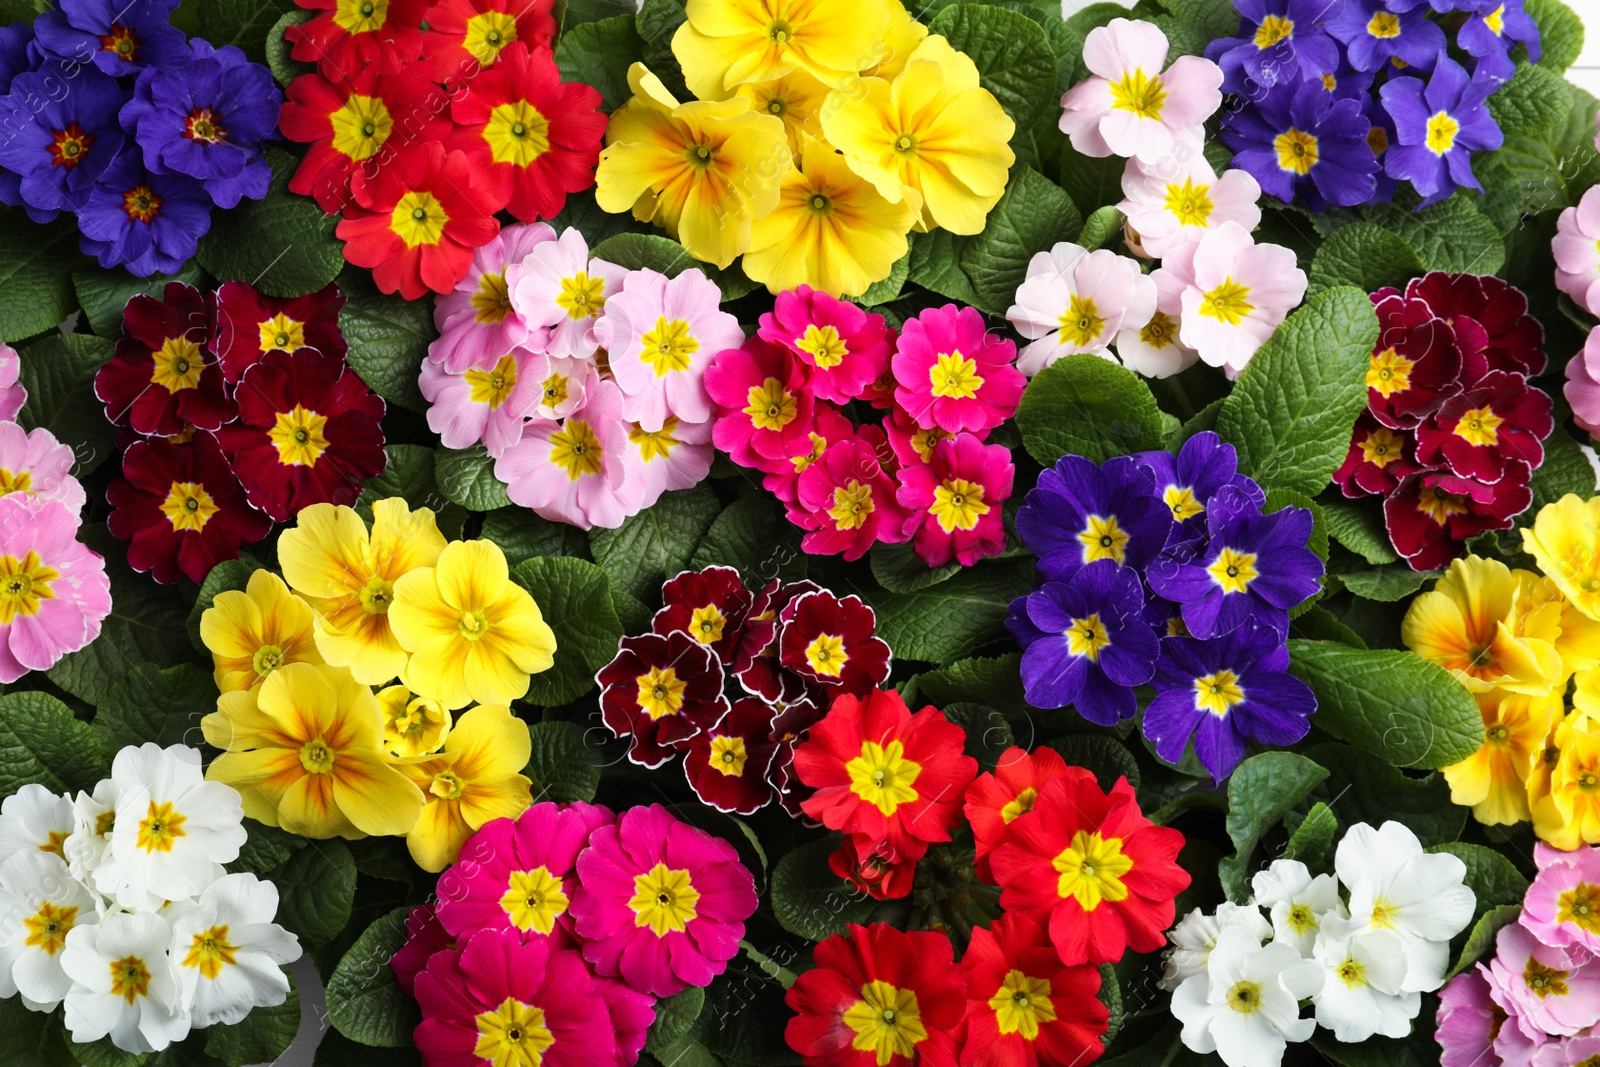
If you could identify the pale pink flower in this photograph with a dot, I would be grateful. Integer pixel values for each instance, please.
(1583, 384)
(659, 333)
(34, 465)
(565, 384)
(581, 470)
(677, 456)
(1175, 201)
(559, 289)
(53, 589)
(1559, 1010)
(1129, 106)
(476, 320)
(1077, 301)
(1232, 294)
(12, 393)
(488, 404)
(1562, 906)
(1576, 246)
(1156, 349)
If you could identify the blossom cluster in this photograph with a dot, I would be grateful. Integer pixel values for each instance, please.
(1217, 294)
(1517, 640)
(424, 120)
(1454, 427)
(1362, 945)
(115, 905)
(820, 134)
(1576, 247)
(792, 648)
(559, 928)
(115, 117)
(237, 411)
(1164, 570)
(582, 380)
(1537, 1000)
(314, 735)
(1341, 100)
(54, 592)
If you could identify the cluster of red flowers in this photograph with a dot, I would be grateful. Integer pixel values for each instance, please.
(237, 411)
(924, 475)
(792, 648)
(424, 120)
(1453, 428)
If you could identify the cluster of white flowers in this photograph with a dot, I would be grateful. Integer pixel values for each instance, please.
(115, 904)
(1363, 947)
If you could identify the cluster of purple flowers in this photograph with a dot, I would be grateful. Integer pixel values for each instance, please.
(1341, 100)
(1163, 570)
(110, 113)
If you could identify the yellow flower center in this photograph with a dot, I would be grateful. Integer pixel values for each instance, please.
(1091, 870)
(104, 823)
(317, 757)
(177, 364)
(668, 346)
(954, 375)
(555, 390)
(446, 785)
(492, 302)
(1480, 426)
(1389, 373)
(1580, 905)
(1244, 997)
(1544, 981)
(376, 596)
(472, 625)
(48, 928)
(1378, 140)
(827, 655)
(210, 952)
(534, 899)
(882, 776)
(771, 406)
(1021, 1004)
(14, 482)
(576, 448)
(958, 505)
(298, 436)
(267, 659)
(1439, 505)
(819, 444)
(1384, 25)
(517, 133)
(513, 1035)
(887, 1022)
(419, 219)
(852, 504)
(581, 296)
(361, 126)
(1228, 303)
(23, 583)
(1160, 331)
(824, 345)
(1182, 501)
(130, 978)
(1234, 570)
(282, 333)
(1496, 20)
(1189, 203)
(1021, 804)
(360, 16)
(664, 900)
(660, 692)
(160, 827)
(493, 387)
(1384, 914)
(1081, 324)
(905, 144)
(728, 756)
(706, 624)
(1139, 93)
(1442, 131)
(1302, 919)
(487, 34)
(1273, 28)
(655, 444)
(1218, 692)
(54, 840)
(1104, 538)
(188, 506)
(1086, 637)
(1297, 151)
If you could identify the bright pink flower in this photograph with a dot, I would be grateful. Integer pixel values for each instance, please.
(558, 289)
(830, 641)
(663, 903)
(632, 1013)
(953, 373)
(54, 593)
(1468, 1021)
(845, 348)
(1583, 384)
(249, 325)
(912, 444)
(520, 874)
(727, 764)
(847, 501)
(1579, 1050)
(489, 404)
(1497, 420)
(1562, 907)
(1577, 252)
(1561, 1010)
(496, 997)
(677, 456)
(35, 465)
(12, 395)
(955, 500)
(424, 937)
(477, 322)
(1514, 339)
(764, 407)
(578, 471)
(782, 475)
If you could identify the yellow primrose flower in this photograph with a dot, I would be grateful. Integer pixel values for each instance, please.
(703, 171)
(1471, 624)
(412, 726)
(831, 230)
(253, 633)
(475, 779)
(932, 135)
(900, 38)
(725, 43)
(473, 633)
(794, 99)
(1565, 541)
(1493, 781)
(1566, 804)
(1541, 608)
(348, 576)
(303, 752)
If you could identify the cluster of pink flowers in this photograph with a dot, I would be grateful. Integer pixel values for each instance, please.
(54, 593)
(557, 931)
(1577, 252)
(785, 652)
(924, 475)
(1454, 428)
(1537, 1002)
(518, 366)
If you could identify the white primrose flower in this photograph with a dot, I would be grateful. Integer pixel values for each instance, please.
(1245, 1006)
(124, 984)
(33, 819)
(1297, 902)
(1196, 935)
(40, 904)
(93, 815)
(1361, 986)
(229, 953)
(1395, 885)
(172, 826)
(1073, 300)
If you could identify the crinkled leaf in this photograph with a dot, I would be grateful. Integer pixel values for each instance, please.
(1389, 583)
(752, 535)
(35, 274)
(1107, 757)
(652, 546)
(564, 765)
(988, 732)
(898, 569)
(743, 1021)
(574, 596)
(286, 69)
(1101, 226)
(996, 682)
(599, 54)
(888, 287)
(365, 1003)
(1493, 879)
(1451, 235)
(1261, 791)
(103, 293)
(954, 618)
(466, 477)
(229, 574)
(1363, 255)
(1217, 18)
(674, 1016)
(282, 244)
(41, 742)
(316, 889)
(1481, 940)
(1014, 60)
(388, 338)
(1362, 787)
(1110, 995)
(936, 265)
(260, 1037)
(1313, 838)
(1560, 33)
(1358, 526)
(1032, 215)
(155, 705)
(1087, 406)
(265, 848)
(1533, 101)
(58, 372)
(1565, 470)
(522, 535)
(808, 899)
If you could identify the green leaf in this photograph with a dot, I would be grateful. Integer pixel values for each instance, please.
(316, 889)
(1090, 407)
(231, 574)
(1451, 235)
(954, 618)
(365, 1003)
(988, 733)
(1480, 942)
(743, 1021)
(1493, 879)
(1358, 526)
(32, 1038)
(1363, 255)
(260, 1037)
(808, 899)
(888, 287)
(674, 1016)
(241, 23)
(752, 535)
(522, 535)
(599, 54)
(996, 682)
(1565, 470)
(1217, 18)
(1101, 226)
(35, 274)
(652, 546)
(1031, 217)
(1318, 624)
(1107, 757)
(1363, 788)
(1110, 995)
(41, 742)
(1313, 838)
(1261, 791)
(899, 569)
(650, 251)
(1291, 410)
(1014, 60)
(1393, 704)
(265, 848)
(58, 372)
(155, 705)
(1416, 1050)
(1560, 32)
(101, 1053)
(684, 1052)
(574, 596)
(408, 474)
(388, 338)
(578, 11)
(336, 1050)
(1389, 583)
(1093, 181)
(286, 69)
(563, 766)
(1535, 99)
(282, 244)
(1553, 169)
(104, 293)
(936, 265)
(658, 20)
(466, 477)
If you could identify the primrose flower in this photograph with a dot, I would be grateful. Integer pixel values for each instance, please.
(472, 780)
(1078, 301)
(580, 470)
(232, 953)
(950, 372)
(477, 320)
(124, 983)
(1233, 293)
(560, 293)
(1169, 204)
(1245, 1005)
(1576, 247)
(1129, 106)
(1439, 126)
(722, 46)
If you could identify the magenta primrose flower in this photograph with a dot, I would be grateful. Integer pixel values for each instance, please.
(54, 593)
(953, 373)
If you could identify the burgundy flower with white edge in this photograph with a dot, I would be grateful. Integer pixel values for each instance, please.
(1431, 515)
(1515, 340)
(1378, 459)
(727, 764)
(249, 325)
(709, 605)
(1497, 420)
(1416, 362)
(660, 691)
(756, 663)
(830, 640)
(163, 377)
(788, 729)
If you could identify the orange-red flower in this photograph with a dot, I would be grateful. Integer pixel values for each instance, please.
(995, 799)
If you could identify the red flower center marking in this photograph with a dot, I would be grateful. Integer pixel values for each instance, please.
(141, 203)
(204, 126)
(70, 146)
(121, 41)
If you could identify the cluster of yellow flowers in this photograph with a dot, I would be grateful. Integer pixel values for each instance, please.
(308, 743)
(824, 132)
(1516, 639)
